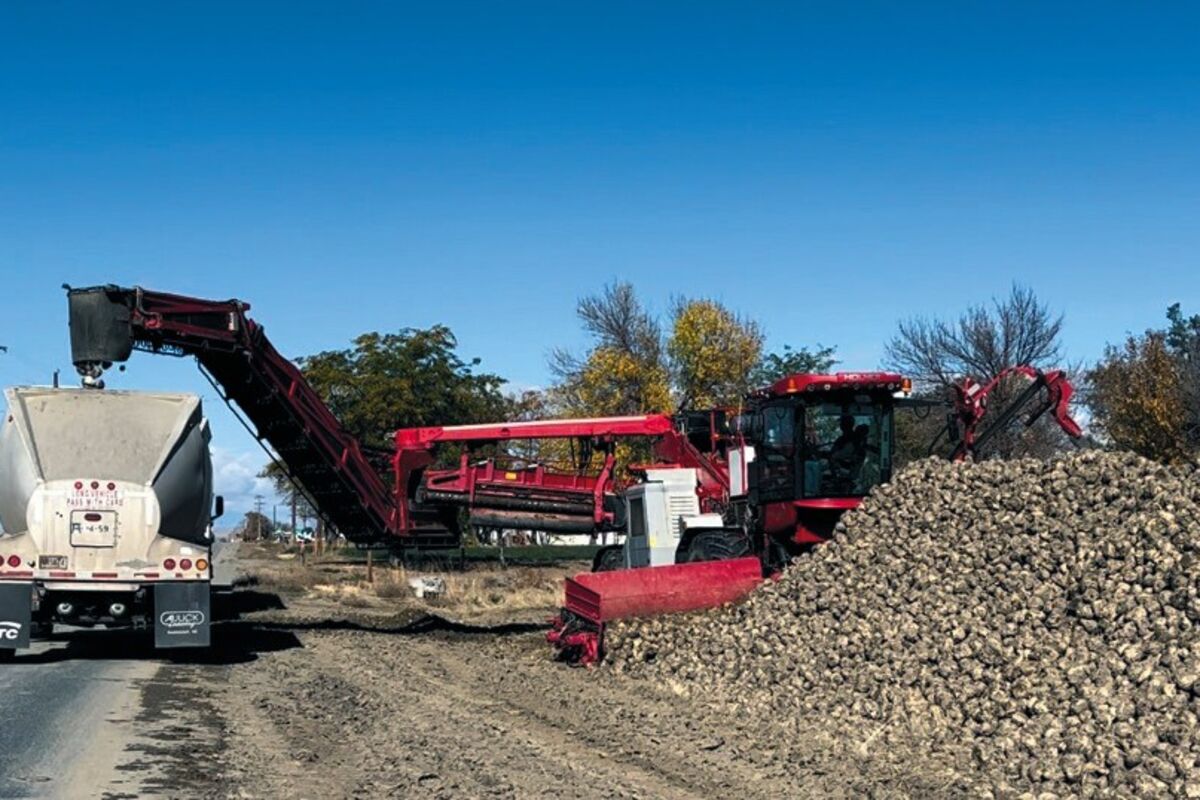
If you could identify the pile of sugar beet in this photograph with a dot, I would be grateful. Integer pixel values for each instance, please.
(1042, 618)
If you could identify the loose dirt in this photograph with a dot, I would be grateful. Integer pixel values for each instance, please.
(391, 700)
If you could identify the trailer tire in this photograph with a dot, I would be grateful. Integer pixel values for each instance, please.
(6, 654)
(609, 558)
(720, 545)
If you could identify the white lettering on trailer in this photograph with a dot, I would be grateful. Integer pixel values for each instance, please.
(10, 631)
(181, 621)
(91, 498)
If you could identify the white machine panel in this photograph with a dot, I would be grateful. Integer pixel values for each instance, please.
(740, 459)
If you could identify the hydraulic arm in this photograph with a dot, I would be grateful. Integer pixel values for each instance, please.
(1047, 391)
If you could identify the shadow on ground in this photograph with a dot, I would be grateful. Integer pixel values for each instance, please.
(236, 640)
(424, 624)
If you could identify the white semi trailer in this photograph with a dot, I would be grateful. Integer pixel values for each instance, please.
(106, 506)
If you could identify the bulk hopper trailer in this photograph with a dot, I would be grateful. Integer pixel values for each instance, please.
(106, 507)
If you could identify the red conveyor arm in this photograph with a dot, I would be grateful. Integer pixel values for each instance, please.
(107, 322)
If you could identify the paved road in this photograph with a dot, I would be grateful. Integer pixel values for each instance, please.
(64, 716)
(68, 707)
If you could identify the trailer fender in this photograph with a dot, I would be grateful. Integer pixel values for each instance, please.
(182, 615)
(16, 611)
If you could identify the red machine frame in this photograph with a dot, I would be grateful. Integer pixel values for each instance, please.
(534, 489)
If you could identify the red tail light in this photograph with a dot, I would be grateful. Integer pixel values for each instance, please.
(14, 561)
(185, 563)
(169, 564)
(95, 484)
(92, 517)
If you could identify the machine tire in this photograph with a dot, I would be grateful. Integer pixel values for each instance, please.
(715, 546)
(608, 559)
(7, 654)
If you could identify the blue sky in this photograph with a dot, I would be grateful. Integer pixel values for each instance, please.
(824, 168)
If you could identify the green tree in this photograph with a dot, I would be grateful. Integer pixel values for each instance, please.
(294, 499)
(399, 380)
(1183, 337)
(788, 361)
(254, 526)
(385, 381)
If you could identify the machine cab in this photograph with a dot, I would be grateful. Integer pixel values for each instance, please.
(821, 437)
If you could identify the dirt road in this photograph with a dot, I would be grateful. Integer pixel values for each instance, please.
(303, 696)
(352, 702)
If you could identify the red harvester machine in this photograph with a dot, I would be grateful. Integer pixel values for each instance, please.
(728, 497)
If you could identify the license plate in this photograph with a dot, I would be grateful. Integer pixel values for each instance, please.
(93, 528)
(52, 562)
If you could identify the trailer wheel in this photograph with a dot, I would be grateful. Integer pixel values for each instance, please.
(608, 559)
(715, 546)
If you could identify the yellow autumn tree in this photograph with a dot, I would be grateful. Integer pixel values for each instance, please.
(713, 354)
(1137, 398)
(624, 371)
(614, 382)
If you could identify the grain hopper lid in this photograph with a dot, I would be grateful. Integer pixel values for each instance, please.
(126, 436)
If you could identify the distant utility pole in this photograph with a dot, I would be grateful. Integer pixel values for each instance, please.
(258, 515)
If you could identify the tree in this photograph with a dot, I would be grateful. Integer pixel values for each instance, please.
(298, 506)
(713, 354)
(980, 343)
(983, 341)
(254, 526)
(1145, 394)
(1183, 337)
(385, 381)
(625, 372)
(397, 380)
(775, 366)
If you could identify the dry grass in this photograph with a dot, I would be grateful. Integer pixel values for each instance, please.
(479, 590)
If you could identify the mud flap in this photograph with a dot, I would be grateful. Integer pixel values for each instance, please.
(16, 609)
(182, 615)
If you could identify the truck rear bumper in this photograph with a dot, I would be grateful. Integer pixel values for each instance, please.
(179, 611)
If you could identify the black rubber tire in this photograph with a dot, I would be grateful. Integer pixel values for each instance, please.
(715, 546)
(7, 654)
(609, 558)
